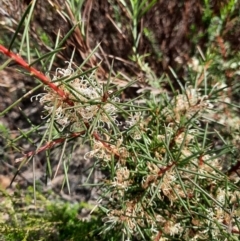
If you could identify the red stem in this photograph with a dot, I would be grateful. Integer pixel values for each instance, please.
(47, 146)
(52, 143)
(60, 92)
(164, 170)
(36, 73)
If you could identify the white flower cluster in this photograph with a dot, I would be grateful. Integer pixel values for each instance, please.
(187, 104)
(87, 97)
(157, 188)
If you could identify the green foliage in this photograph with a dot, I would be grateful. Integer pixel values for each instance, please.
(21, 220)
(70, 227)
(165, 176)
